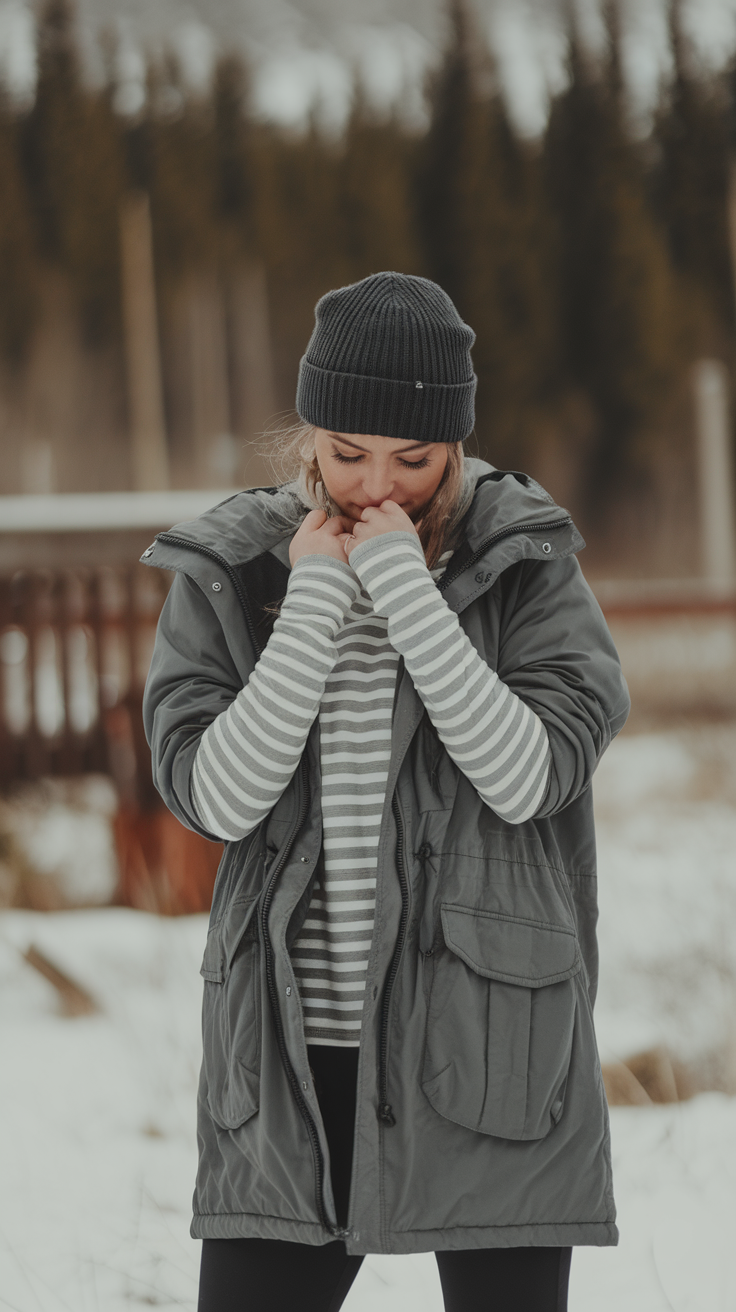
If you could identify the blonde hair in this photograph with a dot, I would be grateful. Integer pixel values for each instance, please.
(291, 450)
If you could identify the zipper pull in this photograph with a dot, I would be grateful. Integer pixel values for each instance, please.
(341, 1232)
(385, 1114)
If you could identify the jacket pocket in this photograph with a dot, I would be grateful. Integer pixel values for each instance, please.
(231, 1019)
(500, 1021)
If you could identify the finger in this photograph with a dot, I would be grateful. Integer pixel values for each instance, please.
(336, 525)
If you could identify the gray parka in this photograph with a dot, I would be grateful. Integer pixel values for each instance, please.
(481, 1117)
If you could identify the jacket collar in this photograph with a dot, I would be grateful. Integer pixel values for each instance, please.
(510, 518)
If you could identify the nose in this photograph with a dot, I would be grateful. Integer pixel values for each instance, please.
(378, 484)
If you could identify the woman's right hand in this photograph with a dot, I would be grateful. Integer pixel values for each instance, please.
(318, 534)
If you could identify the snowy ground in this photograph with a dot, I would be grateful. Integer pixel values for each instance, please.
(97, 1148)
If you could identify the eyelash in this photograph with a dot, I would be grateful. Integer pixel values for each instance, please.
(408, 464)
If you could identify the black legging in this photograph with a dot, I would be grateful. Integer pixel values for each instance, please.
(273, 1275)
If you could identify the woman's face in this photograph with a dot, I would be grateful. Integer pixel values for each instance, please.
(360, 470)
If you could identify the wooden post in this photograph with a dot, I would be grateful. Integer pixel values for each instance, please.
(715, 468)
(216, 455)
(143, 356)
(252, 365)
(731, 216)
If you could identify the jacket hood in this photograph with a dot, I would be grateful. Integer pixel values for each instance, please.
(507, 507)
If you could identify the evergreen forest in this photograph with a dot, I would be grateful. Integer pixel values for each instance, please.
(592, 263)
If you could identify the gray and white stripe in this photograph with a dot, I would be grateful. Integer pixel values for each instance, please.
(330, 955)
(494, 737)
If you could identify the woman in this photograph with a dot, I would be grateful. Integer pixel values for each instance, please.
(390, 707)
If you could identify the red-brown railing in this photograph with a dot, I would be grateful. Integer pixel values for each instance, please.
(75, 646)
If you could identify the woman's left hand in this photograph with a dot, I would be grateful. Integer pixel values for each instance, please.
(386, 518)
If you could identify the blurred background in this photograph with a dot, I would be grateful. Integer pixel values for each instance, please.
(179, 183)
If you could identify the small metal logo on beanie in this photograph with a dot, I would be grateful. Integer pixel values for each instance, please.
(419, 384)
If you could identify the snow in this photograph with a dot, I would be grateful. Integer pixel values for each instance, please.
(97, 1140)
(72, 512)
(61, 829)
(666, 822)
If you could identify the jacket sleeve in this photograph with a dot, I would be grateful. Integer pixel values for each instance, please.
(190, 682)
(556, 653)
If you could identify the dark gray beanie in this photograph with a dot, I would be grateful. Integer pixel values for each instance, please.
(389, 355)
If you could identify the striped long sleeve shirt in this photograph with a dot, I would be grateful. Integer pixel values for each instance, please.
(334, 652)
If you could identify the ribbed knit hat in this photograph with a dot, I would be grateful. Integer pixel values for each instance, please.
(389, 355)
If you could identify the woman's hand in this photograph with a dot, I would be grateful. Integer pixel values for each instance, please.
(319, 535)
(386, 518)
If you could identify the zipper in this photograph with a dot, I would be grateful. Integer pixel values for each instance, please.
(173, 541)
(497, 537)
(303, 782)
(294, 1083)
(385, 1111)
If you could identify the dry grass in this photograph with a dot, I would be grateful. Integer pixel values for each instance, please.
(656, 1076)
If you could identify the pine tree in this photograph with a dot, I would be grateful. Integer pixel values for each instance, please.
(446, 155)
(689, 185)
(374, 179)
(18, 263)
(617, 298)
(234, 176)
(182, 173)
(71, 151)
(486, 230)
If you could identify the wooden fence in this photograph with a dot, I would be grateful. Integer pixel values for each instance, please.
(75, 646)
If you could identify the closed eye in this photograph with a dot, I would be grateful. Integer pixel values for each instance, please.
(354, 460)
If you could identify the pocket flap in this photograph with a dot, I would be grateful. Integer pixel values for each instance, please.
(526, 952)
(223, 939)
(238, 1099)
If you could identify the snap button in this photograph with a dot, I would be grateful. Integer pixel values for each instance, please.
(546, 548)
(425, 850)
(217, 587)
(305, 859)
(419, 384)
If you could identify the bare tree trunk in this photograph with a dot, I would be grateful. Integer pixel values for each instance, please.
(146, 410)
(216, 456)
(251, 366)
(718, 536)
(62, 415)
